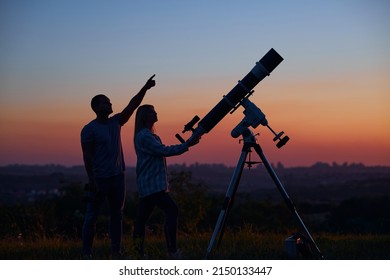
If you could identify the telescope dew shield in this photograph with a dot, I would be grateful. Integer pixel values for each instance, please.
(262, 69)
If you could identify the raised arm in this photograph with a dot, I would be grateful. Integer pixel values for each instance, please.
(136, 101)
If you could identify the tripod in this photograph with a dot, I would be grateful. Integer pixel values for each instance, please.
(249, 143)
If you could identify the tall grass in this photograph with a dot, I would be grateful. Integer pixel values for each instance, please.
(243, 244)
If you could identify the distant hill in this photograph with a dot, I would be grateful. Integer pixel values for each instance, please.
(320, 182)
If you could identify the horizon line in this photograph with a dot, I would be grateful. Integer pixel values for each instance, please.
(345, 163)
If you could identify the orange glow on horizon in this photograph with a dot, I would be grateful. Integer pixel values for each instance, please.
(326, 122)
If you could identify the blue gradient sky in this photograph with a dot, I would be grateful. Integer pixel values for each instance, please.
(331, 94)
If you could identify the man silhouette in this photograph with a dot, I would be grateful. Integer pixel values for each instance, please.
(104, 164)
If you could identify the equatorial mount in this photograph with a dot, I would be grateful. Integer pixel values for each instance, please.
(253, 118)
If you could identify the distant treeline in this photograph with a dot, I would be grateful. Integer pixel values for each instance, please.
(199, 208)
(320, 182)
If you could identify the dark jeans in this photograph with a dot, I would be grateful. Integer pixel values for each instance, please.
(145, 208)
(112, 188)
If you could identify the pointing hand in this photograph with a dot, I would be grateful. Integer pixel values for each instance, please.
(150, 83)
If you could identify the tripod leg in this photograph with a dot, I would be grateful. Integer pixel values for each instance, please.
(285, 196)
(230, 193)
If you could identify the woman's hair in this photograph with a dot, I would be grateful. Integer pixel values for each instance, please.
(140, 119)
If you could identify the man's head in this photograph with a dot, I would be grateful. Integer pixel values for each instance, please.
(101, 105)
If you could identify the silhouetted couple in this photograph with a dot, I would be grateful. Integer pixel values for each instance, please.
(104, 164)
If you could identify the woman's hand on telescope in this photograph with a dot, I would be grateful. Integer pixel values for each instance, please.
(192, 141)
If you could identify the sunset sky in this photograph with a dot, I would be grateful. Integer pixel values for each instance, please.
(330, 95)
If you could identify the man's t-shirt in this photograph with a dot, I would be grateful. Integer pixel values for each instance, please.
(107, 147)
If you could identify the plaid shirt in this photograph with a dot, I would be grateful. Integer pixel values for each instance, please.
(151, 165)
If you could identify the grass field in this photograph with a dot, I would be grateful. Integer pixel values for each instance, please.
(238, 245)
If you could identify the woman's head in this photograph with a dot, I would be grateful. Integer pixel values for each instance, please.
(145, 117)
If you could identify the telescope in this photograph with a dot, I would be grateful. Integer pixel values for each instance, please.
(235, 97)
(239, 96)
